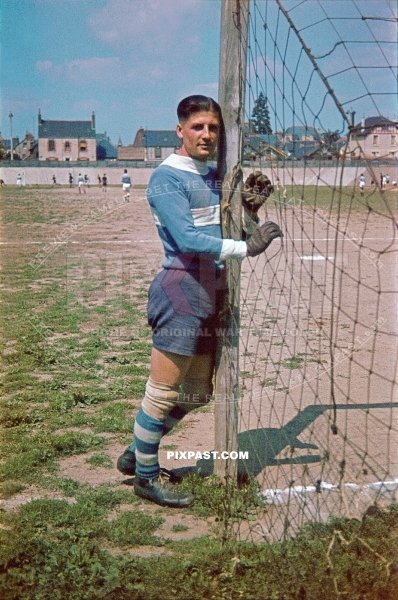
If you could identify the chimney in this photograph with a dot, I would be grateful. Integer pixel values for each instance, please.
(93, 120)
(39, 118)
(363, 122)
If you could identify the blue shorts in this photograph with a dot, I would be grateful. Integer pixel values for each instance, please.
(183, 311)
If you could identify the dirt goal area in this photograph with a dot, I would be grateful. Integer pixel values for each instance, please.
(317, 344)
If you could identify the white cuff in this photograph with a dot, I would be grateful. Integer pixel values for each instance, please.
(249, 225)
(233, 249)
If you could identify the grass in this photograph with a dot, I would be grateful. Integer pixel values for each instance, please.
(55, 548)
(73, 372)
(100, 460)
(333, 200)
(294, 362)
(179, 527)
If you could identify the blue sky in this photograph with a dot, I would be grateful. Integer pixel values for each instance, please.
(131, 61)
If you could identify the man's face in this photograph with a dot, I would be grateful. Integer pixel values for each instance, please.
(199, 135)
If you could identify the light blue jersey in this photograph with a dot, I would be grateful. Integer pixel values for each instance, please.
(184, 196)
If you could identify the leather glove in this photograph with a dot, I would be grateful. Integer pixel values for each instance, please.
(262, 237)
(256, 190)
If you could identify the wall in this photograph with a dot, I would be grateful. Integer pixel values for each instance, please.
(327, 175)
(384, 148)
(43, 175)
(60, 154)
(164, 153)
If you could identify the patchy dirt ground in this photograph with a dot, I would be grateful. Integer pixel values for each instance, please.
(329, 285)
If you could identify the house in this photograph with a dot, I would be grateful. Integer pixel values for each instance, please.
(105, 150)
(67, 140)
(150, 145)
(374, 137)
(322, 150)
(257, 146)
(160, 144)
(300, 141)
(135, 151)
(28, 148)
(298, 149)
(302, 133)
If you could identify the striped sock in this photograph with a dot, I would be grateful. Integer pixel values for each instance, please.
(173, 418)
(147, 435)
(197, 390)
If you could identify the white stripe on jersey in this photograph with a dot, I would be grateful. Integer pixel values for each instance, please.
(207, 215)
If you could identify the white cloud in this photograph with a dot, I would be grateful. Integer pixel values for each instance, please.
(48, 69)
(87, 71)
(153, 26)
(158, 41)
(93, 70)
(43, 66)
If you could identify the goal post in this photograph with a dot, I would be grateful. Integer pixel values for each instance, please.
(232, 78)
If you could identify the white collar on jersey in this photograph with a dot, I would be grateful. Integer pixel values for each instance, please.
(186, 163)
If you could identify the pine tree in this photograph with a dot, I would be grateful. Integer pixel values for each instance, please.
(260, 120)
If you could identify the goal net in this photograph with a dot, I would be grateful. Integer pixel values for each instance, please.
(318, 311)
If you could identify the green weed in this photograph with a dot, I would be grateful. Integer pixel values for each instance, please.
(268, 382)
(134, 528)
(100, 460)
(179, 527)
(10, 488)
(294, 362)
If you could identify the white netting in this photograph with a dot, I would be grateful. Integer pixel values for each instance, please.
(318, 312)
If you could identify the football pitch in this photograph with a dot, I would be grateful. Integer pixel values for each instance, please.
(76, 270)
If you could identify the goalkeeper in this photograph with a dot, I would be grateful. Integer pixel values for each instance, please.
(185, 297)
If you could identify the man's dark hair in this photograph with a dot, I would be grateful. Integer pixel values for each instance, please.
(197, 103)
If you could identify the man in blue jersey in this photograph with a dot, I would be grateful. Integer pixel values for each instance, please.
(185, 297)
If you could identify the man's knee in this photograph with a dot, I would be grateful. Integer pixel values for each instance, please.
(159, 399)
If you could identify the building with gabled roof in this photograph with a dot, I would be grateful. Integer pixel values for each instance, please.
(27, 149)
(105, 150)
(374, 137)
(67, 140)
(303, 133)
(261, 145)
(150, 145)
(160, 143)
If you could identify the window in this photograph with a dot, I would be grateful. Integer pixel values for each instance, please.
(51, 145)
(375, 140)
(158, 152)
(393, 140)
(82, 146)
(67, 146)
